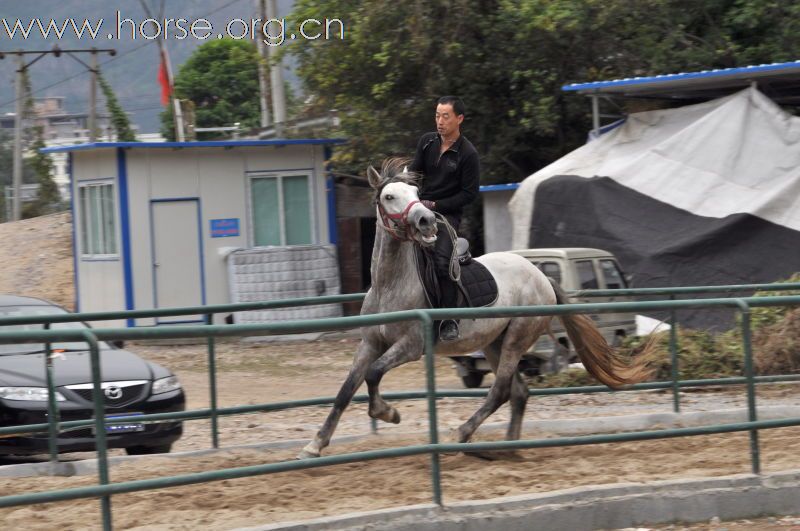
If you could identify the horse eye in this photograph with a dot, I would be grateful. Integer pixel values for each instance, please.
(388, 197)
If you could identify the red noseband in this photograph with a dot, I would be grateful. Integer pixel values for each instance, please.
(399, 221)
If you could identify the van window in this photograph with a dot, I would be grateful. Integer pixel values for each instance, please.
(612, 274)
(552, 270)
(586, 274)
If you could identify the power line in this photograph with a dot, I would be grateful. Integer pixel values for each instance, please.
(118, 56)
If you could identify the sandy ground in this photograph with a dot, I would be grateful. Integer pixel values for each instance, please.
(37, 260)
(260, 373)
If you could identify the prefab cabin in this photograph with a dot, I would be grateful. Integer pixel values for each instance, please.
(153, 223)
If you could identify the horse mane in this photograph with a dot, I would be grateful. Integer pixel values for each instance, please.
(393, 170)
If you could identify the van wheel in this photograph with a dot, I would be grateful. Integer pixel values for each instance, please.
(472, 379)
(618, 340)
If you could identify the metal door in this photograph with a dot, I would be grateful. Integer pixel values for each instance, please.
(177, 256)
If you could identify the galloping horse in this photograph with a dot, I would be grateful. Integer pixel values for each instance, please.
(404, 222)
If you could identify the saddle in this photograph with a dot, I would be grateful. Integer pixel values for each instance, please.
(477, 286)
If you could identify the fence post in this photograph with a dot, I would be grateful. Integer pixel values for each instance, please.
(751, 386)
(99, 424)
(52, 407)
(673, 352)
(433, 422)
(212, 384)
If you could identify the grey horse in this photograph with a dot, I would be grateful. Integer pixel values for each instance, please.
(403, 222)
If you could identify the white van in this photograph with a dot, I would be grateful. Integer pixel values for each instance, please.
(575, 269)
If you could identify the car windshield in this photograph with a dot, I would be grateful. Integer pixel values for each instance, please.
(27, 311)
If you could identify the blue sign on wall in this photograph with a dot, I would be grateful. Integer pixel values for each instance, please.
(224, 228)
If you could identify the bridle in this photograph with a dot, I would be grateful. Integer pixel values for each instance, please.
(396, 224)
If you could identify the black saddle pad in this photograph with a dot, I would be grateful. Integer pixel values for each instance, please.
(477, 285)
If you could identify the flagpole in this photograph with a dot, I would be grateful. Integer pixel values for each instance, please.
(176, 104)
(179, 132)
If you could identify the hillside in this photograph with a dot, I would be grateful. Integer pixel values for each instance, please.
(36, 258)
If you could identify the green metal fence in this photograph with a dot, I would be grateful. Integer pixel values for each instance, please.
(105, 489)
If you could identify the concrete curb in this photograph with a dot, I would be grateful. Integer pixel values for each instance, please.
(585, 508)
(555, 427)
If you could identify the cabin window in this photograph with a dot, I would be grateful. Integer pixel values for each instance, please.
(281, 210)
(98, 225)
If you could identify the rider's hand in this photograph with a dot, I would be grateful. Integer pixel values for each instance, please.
(430, 205)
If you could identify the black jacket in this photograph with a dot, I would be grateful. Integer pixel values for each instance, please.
(450, 180)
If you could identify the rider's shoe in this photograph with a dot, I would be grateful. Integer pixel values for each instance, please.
(448, 330)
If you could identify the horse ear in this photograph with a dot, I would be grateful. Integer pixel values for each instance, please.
(374, 177)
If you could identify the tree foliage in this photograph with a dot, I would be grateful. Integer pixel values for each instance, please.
(508, 59)
(221, 80)
(119, 119)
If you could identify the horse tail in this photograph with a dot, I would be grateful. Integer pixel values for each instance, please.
(598, 357)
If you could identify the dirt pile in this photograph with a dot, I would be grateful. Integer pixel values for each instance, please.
(36, 258)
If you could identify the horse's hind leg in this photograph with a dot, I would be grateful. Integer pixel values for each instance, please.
(519, 400)
(401, 352)
(365, 355)
(518, 338)
(518, 397)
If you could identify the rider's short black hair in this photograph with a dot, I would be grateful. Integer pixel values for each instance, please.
(455, 101)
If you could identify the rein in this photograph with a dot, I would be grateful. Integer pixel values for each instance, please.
(396, 224)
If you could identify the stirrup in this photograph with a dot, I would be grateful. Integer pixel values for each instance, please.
(448, 330)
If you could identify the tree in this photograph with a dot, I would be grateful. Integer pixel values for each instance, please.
(508, 60)
(48, 198)
(221, 80)
(119, 119)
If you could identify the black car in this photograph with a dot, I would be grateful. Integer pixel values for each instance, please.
(131, 385)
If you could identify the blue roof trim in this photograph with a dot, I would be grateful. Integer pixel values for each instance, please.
(499, 187)
(202, 144)
(721, 73)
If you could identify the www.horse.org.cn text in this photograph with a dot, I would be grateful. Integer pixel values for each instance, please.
(273, 31)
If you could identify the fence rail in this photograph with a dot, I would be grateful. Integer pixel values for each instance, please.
(105, 489)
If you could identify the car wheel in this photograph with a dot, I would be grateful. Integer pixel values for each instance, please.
(148, 450)
(472, 379)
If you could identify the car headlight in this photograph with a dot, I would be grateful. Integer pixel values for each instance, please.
(33, 394)
(165, 385)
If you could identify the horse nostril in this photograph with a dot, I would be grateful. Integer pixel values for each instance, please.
(423, 222)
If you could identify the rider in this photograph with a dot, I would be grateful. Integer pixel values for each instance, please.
(450, 170)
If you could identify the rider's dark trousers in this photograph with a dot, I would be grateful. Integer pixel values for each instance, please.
(443, 251)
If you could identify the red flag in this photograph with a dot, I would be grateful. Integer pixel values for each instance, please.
(163, 80)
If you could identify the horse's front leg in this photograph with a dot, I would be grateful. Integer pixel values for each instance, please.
(405, 350)
(366, 354)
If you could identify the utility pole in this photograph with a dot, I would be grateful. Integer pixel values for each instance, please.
(93, 100)
(263, 85)
(20, 103)
(22, 67)
(276, 78)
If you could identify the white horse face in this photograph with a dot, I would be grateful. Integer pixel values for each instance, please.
(420, 222)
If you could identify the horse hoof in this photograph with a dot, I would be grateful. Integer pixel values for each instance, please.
(305, 454)
(391, 416)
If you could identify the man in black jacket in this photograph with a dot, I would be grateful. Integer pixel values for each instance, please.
(450, 170)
